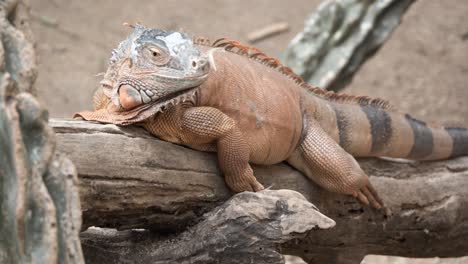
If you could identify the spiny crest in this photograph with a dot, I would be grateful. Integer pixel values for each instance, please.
(124, 47)
(258, 55)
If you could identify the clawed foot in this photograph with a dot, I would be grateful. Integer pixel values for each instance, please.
(242, 184)
(367, 195)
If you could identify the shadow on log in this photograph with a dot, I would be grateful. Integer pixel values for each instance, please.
(132, 180)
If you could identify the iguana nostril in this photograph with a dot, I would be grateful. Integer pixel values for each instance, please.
(202, 62)
(129, 97)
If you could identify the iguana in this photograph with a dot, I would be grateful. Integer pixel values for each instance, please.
(234, 99)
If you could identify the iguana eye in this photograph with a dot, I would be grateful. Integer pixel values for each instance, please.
(157, 56)
(155, 53)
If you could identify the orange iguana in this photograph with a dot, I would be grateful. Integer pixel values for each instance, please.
(234, 99)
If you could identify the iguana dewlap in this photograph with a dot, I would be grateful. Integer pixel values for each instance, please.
(248, 107)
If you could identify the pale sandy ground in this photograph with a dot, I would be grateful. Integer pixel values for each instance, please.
(423, 69)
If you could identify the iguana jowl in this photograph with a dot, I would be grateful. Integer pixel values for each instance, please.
(234, 99)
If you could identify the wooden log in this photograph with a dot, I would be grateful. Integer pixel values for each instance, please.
(132, 180)
(248, 228)
(129, 179)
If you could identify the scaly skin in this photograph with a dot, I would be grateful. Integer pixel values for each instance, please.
(252, 109)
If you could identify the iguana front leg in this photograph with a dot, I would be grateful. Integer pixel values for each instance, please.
(330, 166)
(205, 125)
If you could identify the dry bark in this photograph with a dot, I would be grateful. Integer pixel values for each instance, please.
(339, 37)
(40, 213)
(132, 180)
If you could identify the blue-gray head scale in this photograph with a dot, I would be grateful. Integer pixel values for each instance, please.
(156, 67)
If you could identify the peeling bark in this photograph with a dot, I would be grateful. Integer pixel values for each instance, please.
(132, 180)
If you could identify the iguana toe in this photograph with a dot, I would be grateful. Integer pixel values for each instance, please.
(256, 186)
(361, 197)
(249, 184)
(367, 195)
(372, 197)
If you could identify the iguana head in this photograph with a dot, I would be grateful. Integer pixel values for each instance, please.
(148, 71)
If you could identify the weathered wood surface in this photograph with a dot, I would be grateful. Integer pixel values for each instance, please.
(248, 228)
(132, 180)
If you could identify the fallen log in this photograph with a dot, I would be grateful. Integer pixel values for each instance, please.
(245, 229)
(129, 179)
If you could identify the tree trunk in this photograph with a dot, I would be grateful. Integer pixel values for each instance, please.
(132, 180)
(40, 212)
(339, 37)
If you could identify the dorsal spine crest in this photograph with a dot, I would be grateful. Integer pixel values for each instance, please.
(259, 56)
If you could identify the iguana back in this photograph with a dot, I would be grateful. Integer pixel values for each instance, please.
(363, 126)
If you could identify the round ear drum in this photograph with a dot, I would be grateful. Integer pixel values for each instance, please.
(129, 97)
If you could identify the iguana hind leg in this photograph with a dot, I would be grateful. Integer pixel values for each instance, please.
(204, 125)
(330, 166)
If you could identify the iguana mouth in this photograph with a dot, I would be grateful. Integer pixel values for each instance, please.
(169, 77)
(129, 96)
(114, 115)
(134, 92)
(187, 95)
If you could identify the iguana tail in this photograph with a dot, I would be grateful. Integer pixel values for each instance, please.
(370, 130)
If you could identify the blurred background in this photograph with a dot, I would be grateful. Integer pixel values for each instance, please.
(422, 69)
